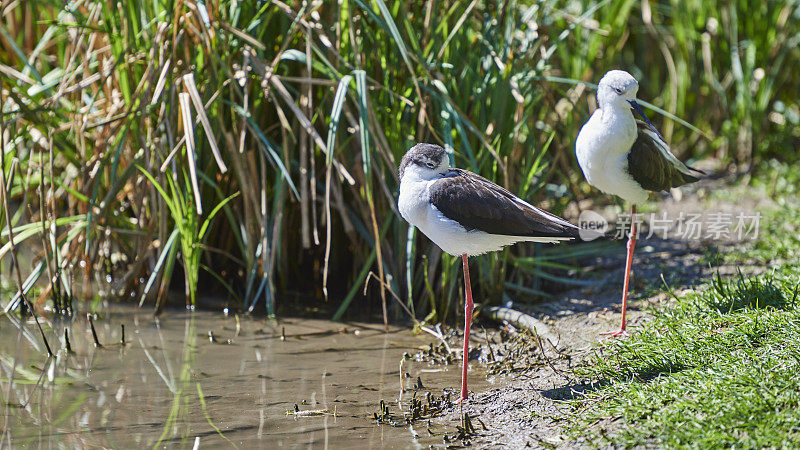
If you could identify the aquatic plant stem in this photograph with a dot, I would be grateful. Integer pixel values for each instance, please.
(468, 306)
(380, 260)
(42, 209)
(328, 230)
(14, 261)
(55, 282)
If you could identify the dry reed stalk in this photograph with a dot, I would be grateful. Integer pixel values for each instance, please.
(188, 132)
(307, 99)
(191, 87)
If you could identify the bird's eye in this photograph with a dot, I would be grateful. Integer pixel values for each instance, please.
(427, 162)
(618, 90)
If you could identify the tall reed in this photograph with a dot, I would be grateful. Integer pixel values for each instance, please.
(304, 109)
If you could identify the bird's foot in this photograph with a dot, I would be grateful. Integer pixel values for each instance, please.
(460, 401)
(621, 333)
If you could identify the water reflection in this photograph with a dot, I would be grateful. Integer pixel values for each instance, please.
(201, 375)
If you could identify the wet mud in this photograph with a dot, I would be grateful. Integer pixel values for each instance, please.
(203, 378)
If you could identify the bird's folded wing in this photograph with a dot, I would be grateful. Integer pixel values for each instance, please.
(478, 204)
(653, 166)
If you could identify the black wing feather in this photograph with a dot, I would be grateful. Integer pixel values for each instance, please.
(478, 204)
(648, 166)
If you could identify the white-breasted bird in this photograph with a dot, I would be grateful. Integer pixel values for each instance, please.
(626, 157)
(466, 214)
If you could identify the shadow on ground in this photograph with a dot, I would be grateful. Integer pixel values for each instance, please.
(529, 410)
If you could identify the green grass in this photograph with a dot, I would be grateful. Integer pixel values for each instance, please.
(712, 371)
(717, 367)
(776, 183)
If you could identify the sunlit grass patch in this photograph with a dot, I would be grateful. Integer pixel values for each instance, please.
(718, 366)
(743, 293)
(778, 237)
(717, 369)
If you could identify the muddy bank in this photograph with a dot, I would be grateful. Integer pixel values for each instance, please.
(528, 408)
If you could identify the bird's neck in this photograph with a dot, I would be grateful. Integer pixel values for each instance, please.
(619, 121)
(613, 114)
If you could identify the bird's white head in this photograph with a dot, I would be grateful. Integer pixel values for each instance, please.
(427, 161)
(617, 89)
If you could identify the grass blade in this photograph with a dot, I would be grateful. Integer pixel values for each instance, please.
(165, 250)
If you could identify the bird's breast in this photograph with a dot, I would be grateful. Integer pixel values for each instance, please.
(602, 150)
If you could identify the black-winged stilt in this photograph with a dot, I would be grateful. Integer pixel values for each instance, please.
(466, 214)
(626, 157)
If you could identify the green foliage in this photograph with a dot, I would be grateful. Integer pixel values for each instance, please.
(190, 233)
(701, 376)
(501, 85)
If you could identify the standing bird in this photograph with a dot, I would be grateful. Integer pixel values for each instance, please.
(466, 214)
(626, 157)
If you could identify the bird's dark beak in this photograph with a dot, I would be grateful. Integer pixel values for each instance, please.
(639, 111)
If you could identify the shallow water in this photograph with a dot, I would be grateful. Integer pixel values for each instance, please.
(189, 378)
